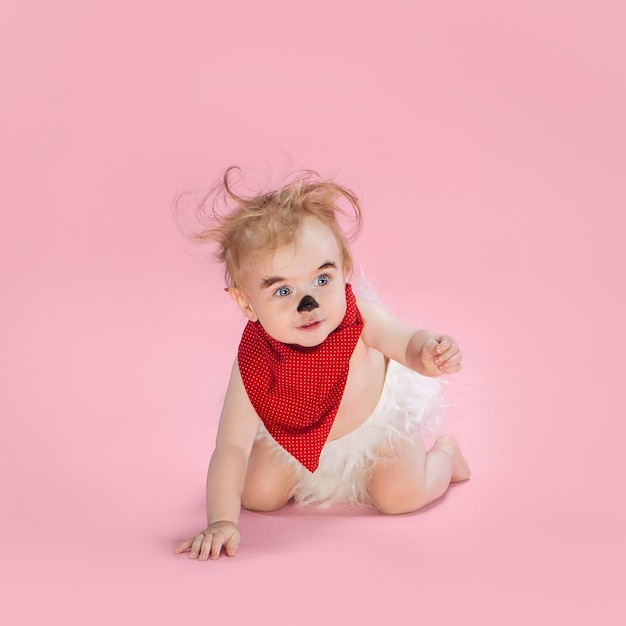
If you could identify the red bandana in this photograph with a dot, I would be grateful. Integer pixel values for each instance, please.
(296, 391)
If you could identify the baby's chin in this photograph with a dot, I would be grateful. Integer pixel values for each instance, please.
(309, 344)
(306, 342)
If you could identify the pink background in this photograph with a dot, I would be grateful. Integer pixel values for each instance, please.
(486, 140)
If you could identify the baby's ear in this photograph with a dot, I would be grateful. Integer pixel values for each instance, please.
(243, 303)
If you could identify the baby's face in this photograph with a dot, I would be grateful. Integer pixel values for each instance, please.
(298, 293)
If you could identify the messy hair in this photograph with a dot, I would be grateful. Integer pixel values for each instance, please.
(241, 226)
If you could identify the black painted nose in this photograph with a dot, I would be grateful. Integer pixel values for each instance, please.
(308, 303)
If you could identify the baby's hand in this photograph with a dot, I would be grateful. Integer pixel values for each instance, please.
(209, 543)
(440, 355)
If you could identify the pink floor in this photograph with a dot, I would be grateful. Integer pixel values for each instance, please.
(486, 141)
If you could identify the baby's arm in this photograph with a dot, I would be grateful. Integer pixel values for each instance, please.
(226, 475)
(420, 350)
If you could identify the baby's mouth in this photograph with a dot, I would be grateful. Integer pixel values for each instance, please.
(310, 325)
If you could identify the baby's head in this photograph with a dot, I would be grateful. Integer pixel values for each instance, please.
(285, 255)
(262, 224)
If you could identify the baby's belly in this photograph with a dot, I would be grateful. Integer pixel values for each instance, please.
(362, 393)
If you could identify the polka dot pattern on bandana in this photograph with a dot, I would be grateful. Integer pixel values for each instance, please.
(296, 391)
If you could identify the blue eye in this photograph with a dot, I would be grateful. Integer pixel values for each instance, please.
(281, 292)
(322, 280)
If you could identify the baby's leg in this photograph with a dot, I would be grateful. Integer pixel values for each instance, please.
(410, 477)
(268, 481)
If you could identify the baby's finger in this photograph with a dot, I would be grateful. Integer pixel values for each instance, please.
(440, 359)
(216, 546)
(451, 352)
(232, 545)
(431, 346)
(196, 545)
(450, 362)
(183, 547)
(443, 343)
(205, 551)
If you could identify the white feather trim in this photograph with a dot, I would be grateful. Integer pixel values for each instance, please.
(410, 404)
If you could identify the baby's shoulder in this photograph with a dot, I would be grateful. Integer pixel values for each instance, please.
(368, 307)
(383, 332)
(374, 315)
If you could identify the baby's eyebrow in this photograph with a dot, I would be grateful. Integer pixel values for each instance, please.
(327, 265)
(268, 282)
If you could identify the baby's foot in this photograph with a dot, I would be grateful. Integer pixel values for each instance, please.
(460, 468)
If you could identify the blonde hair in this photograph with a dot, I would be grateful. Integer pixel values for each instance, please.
(271, 220)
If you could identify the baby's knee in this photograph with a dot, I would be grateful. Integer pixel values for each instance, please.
(397, 497)
(398, 505)
(262, 500)
(262, 505)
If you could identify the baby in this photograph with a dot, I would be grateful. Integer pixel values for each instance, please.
(324, 405)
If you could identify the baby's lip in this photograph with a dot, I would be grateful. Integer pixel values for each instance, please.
(310, 323)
